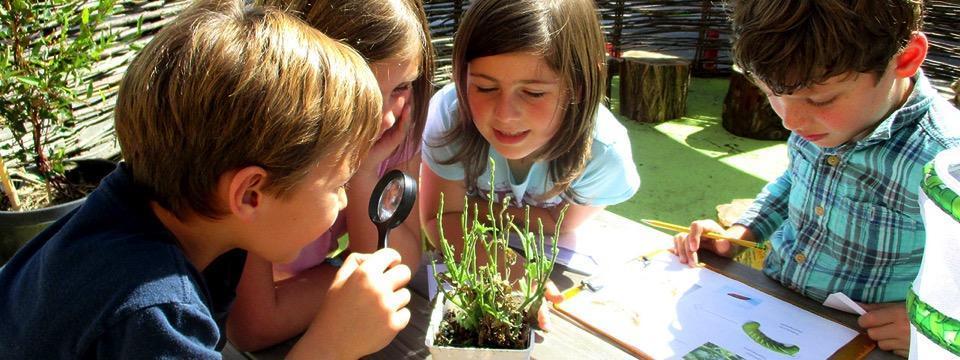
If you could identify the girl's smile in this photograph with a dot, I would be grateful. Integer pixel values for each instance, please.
(508, 137)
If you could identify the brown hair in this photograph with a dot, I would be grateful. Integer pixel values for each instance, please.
(226, 86)
(792, 44)
(567, 34)
(379, 30)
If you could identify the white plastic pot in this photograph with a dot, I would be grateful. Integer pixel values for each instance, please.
(440, 307)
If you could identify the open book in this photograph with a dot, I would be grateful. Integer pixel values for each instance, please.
(656, 307)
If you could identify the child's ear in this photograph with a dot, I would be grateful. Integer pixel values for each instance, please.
(243, 190)
(907, 62)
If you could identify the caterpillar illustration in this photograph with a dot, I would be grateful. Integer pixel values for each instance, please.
(935, 325)
(752, 329)
(937, 191)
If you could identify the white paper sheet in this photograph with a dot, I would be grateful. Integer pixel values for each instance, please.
(842, 302)
(668, 310)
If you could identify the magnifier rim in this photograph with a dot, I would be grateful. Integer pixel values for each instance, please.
(408, 196)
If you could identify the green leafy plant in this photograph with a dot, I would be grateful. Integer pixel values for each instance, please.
(48, 48)
(489, 310)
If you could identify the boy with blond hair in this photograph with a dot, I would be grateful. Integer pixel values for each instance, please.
(845, 78)
(239, 126)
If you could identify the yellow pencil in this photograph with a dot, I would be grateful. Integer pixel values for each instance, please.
(712, 235)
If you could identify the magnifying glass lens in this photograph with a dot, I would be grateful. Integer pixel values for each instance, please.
(390, 199)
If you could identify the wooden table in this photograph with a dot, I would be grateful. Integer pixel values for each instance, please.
(568, 341)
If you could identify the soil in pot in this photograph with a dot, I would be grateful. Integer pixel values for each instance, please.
(82, 176)
(490, 334)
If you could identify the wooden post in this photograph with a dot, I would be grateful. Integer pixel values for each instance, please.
(653, 86)
(7, 186)
(747, 113)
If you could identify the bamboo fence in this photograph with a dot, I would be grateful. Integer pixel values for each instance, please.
(694, 29)
(134, 23)
(698, 30)
(942, 27)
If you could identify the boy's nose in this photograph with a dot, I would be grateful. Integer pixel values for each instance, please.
(792, 122)
(793, 117)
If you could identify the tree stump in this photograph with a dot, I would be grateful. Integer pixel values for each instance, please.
(747, 113)
(653, 86)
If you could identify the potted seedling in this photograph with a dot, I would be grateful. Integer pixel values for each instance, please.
(480, 312)
(49, 47)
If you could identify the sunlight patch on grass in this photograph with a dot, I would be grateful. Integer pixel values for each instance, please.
(758, 162)
(764, 159)
(680, 130)
(690, 165)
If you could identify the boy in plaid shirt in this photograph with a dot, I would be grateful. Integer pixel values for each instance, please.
(845, 78)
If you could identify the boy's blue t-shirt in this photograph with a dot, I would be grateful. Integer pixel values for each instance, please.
(847, 219)
(109, 281)
(609, 178)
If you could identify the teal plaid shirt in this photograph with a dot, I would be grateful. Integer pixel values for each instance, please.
(847, 219)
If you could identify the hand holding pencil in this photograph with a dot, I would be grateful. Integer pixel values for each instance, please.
(707, 234)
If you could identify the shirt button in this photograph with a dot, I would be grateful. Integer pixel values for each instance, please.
(833, 160)
(800, 257)
(819, 210)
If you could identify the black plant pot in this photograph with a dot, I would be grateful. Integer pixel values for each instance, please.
(18, 227)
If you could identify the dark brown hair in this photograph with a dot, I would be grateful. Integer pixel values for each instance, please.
(567, 34)
(226, 86)
(793, 44)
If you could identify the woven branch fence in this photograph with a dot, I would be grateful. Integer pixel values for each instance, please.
(697, 30)
(942, 27)
(134, 23)
(693, 29)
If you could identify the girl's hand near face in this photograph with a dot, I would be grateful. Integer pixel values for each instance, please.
(362, 232)
(389, 141)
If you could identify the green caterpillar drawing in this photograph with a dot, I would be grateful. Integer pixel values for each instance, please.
(936, 326)
(752, 328)
(937, 191)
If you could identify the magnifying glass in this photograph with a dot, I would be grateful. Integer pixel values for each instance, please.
(391, 202)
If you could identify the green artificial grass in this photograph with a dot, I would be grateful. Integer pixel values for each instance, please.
(690, 165)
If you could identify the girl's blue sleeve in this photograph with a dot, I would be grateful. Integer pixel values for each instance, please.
(441, 116)
(610, 176)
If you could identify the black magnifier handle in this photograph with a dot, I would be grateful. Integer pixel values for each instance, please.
(383, 230)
